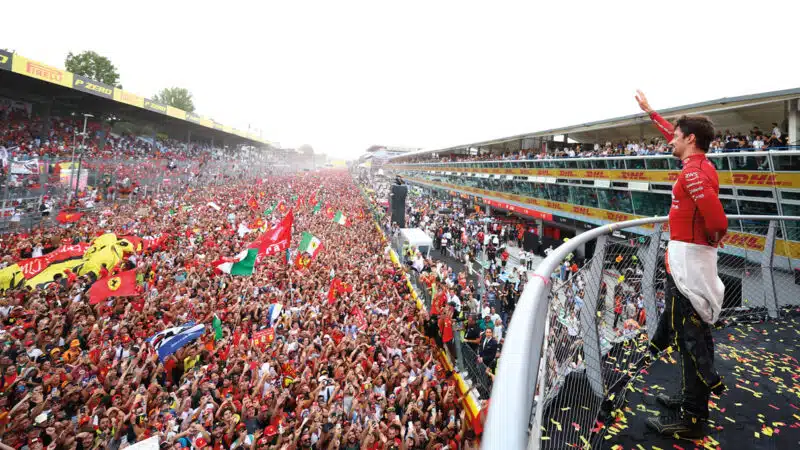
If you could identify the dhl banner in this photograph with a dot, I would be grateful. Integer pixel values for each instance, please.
(31, 68)
(741, 240)
(153, 105)
(90, 86)
(726, 178)
(128, 97)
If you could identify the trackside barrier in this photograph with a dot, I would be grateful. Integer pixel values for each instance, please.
(469, 403)
(577, 339)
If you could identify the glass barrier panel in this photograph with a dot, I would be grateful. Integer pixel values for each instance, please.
(583, 196)
(540, 191)
(651, 203)
(615, 200)
(635, 164)
(792, 227)
(749, 162)
(559, 193)
(786, 163)
(720, 162)
(749, 207)
(657, 163)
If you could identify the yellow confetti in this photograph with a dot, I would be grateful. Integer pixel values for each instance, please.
(558, 425)
(767, 431)
(729, 419)
(756, 434)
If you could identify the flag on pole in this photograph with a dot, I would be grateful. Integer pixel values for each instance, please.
(68, 217)
(340, 218)
(241, 264)
(253, 203)
(217, 324)
(120, 285)
(276, 239)
(173, 339)
(309, 247)
(274, 313)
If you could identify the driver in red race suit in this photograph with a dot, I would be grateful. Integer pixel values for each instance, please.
(694, 292)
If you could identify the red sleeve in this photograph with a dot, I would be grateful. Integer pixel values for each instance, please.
(702, 192)
(664, 127)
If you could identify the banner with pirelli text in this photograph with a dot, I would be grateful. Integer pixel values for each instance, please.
(176, 112)
(5, 60)
(128, 97)
(35, 69)
(155, 106)
(91, 86)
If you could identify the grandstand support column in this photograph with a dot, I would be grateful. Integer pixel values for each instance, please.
(189, 138)
(591, 338)
(794, 122)
(767, 277)
(648, 257)
(46, 108)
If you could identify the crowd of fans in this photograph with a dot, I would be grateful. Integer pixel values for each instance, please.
(25, 136)
(348, 371)
(468, 276)
(727, 141)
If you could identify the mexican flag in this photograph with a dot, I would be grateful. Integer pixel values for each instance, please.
(317, 208)
(340, 218)
(309, 244)
(241, 264)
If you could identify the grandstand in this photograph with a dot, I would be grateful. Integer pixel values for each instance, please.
(579, 184)
(62, 133)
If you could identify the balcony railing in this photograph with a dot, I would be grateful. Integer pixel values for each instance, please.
(568, 355)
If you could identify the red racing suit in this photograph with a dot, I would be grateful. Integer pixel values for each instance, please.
(696, 215)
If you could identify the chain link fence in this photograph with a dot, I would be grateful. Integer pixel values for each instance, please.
(599, 318)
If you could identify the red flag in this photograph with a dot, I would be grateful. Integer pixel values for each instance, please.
(154, 243)
(68, 217)
(276, 239)
(313, 199)
(299, 202)
(358, 315)
(253, 203)
(333, 290)
(281, 206)
(120, 285)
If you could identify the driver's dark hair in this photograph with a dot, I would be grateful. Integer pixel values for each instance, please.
(700, 126)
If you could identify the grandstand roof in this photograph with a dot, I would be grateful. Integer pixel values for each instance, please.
(725, 112)
(24, 79)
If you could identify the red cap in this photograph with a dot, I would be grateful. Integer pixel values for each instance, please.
(271, 430)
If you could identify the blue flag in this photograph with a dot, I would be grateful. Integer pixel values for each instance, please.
(173, 339)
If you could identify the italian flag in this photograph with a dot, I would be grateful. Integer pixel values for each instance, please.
(309, 244)
(340, 218)
(241, 264)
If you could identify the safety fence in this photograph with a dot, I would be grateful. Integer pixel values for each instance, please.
(463, 354)
(579, 337)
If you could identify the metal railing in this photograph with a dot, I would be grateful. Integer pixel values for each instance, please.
(576, 337)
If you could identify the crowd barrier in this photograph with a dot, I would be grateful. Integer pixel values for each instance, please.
(570, 350)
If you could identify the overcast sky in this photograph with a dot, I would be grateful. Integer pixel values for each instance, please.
(342, 75)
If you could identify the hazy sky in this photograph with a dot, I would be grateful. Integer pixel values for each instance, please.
(342, 75)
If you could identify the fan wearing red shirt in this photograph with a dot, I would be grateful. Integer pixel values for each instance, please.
(697, 224)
